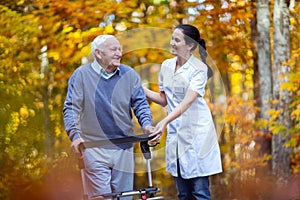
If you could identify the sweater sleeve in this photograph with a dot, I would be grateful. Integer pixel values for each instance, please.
(140, 104)
(73, 106)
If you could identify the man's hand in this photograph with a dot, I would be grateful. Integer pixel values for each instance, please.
(149, 130)
(75, 146)
(158, 131)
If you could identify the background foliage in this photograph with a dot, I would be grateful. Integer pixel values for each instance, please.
(43, 41)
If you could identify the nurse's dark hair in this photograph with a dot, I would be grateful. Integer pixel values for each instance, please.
(192, 35)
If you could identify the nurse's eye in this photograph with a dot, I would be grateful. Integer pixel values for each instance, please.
(177, 40)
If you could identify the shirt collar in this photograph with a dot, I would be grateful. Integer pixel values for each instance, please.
(189, 61)
(185, 65)
(99, 70)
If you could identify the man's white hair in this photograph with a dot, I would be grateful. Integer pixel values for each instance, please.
(98, 42)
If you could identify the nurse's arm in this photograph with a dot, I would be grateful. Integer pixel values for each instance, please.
(187, 101)
(156, 97)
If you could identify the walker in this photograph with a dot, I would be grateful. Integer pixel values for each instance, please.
(147, 193)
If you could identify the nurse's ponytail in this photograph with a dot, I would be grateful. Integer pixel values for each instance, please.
(203, 55)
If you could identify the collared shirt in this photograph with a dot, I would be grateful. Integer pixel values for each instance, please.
(192, 136)
(100, 70)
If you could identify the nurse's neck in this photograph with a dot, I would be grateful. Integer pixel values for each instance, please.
(181, 61)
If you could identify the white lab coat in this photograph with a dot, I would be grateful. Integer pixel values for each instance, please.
(192, 136)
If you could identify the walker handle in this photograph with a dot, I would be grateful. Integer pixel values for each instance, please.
(145, 149)
(80, 158)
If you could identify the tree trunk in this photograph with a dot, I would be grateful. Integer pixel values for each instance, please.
(254, 49)
(280, 152)
(264, 60)
(49, 137)
(264, 72)
(45, 74)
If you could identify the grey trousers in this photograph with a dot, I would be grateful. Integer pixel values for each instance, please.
(108, 170)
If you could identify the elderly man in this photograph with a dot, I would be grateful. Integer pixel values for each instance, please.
(100, 99)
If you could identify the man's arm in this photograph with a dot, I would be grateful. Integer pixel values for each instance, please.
(141, 107)
(71, 110)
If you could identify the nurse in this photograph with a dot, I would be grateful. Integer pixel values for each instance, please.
(192, 149)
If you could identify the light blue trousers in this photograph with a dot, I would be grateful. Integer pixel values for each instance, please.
(108, 170)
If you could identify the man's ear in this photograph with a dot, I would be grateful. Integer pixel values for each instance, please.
(98, 53)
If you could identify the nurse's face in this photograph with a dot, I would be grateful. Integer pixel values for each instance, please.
(178, 44)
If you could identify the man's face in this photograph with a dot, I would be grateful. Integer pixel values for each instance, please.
(109, 56)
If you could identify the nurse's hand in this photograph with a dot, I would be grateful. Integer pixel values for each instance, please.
(159, 129)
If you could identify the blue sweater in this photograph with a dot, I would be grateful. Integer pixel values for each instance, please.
(97, 108)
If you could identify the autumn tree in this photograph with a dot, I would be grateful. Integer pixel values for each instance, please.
(21, 158)
(281, 72)
(264, 70)
(293, 85)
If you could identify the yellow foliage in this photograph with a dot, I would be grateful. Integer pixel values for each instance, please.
(13, 124)
(54, 55)
(80, 45)
(249, 53)
(67, 29)
(274, 113)
(296, 113)
(85, 51)
(31, 112)
(20, 2)
(236, 80)
(109, 30)
(15, 69)
(24, 112)
(77, 34)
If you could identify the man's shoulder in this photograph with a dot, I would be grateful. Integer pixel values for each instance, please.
(84, 67)
(80, 71)
(125, 68)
